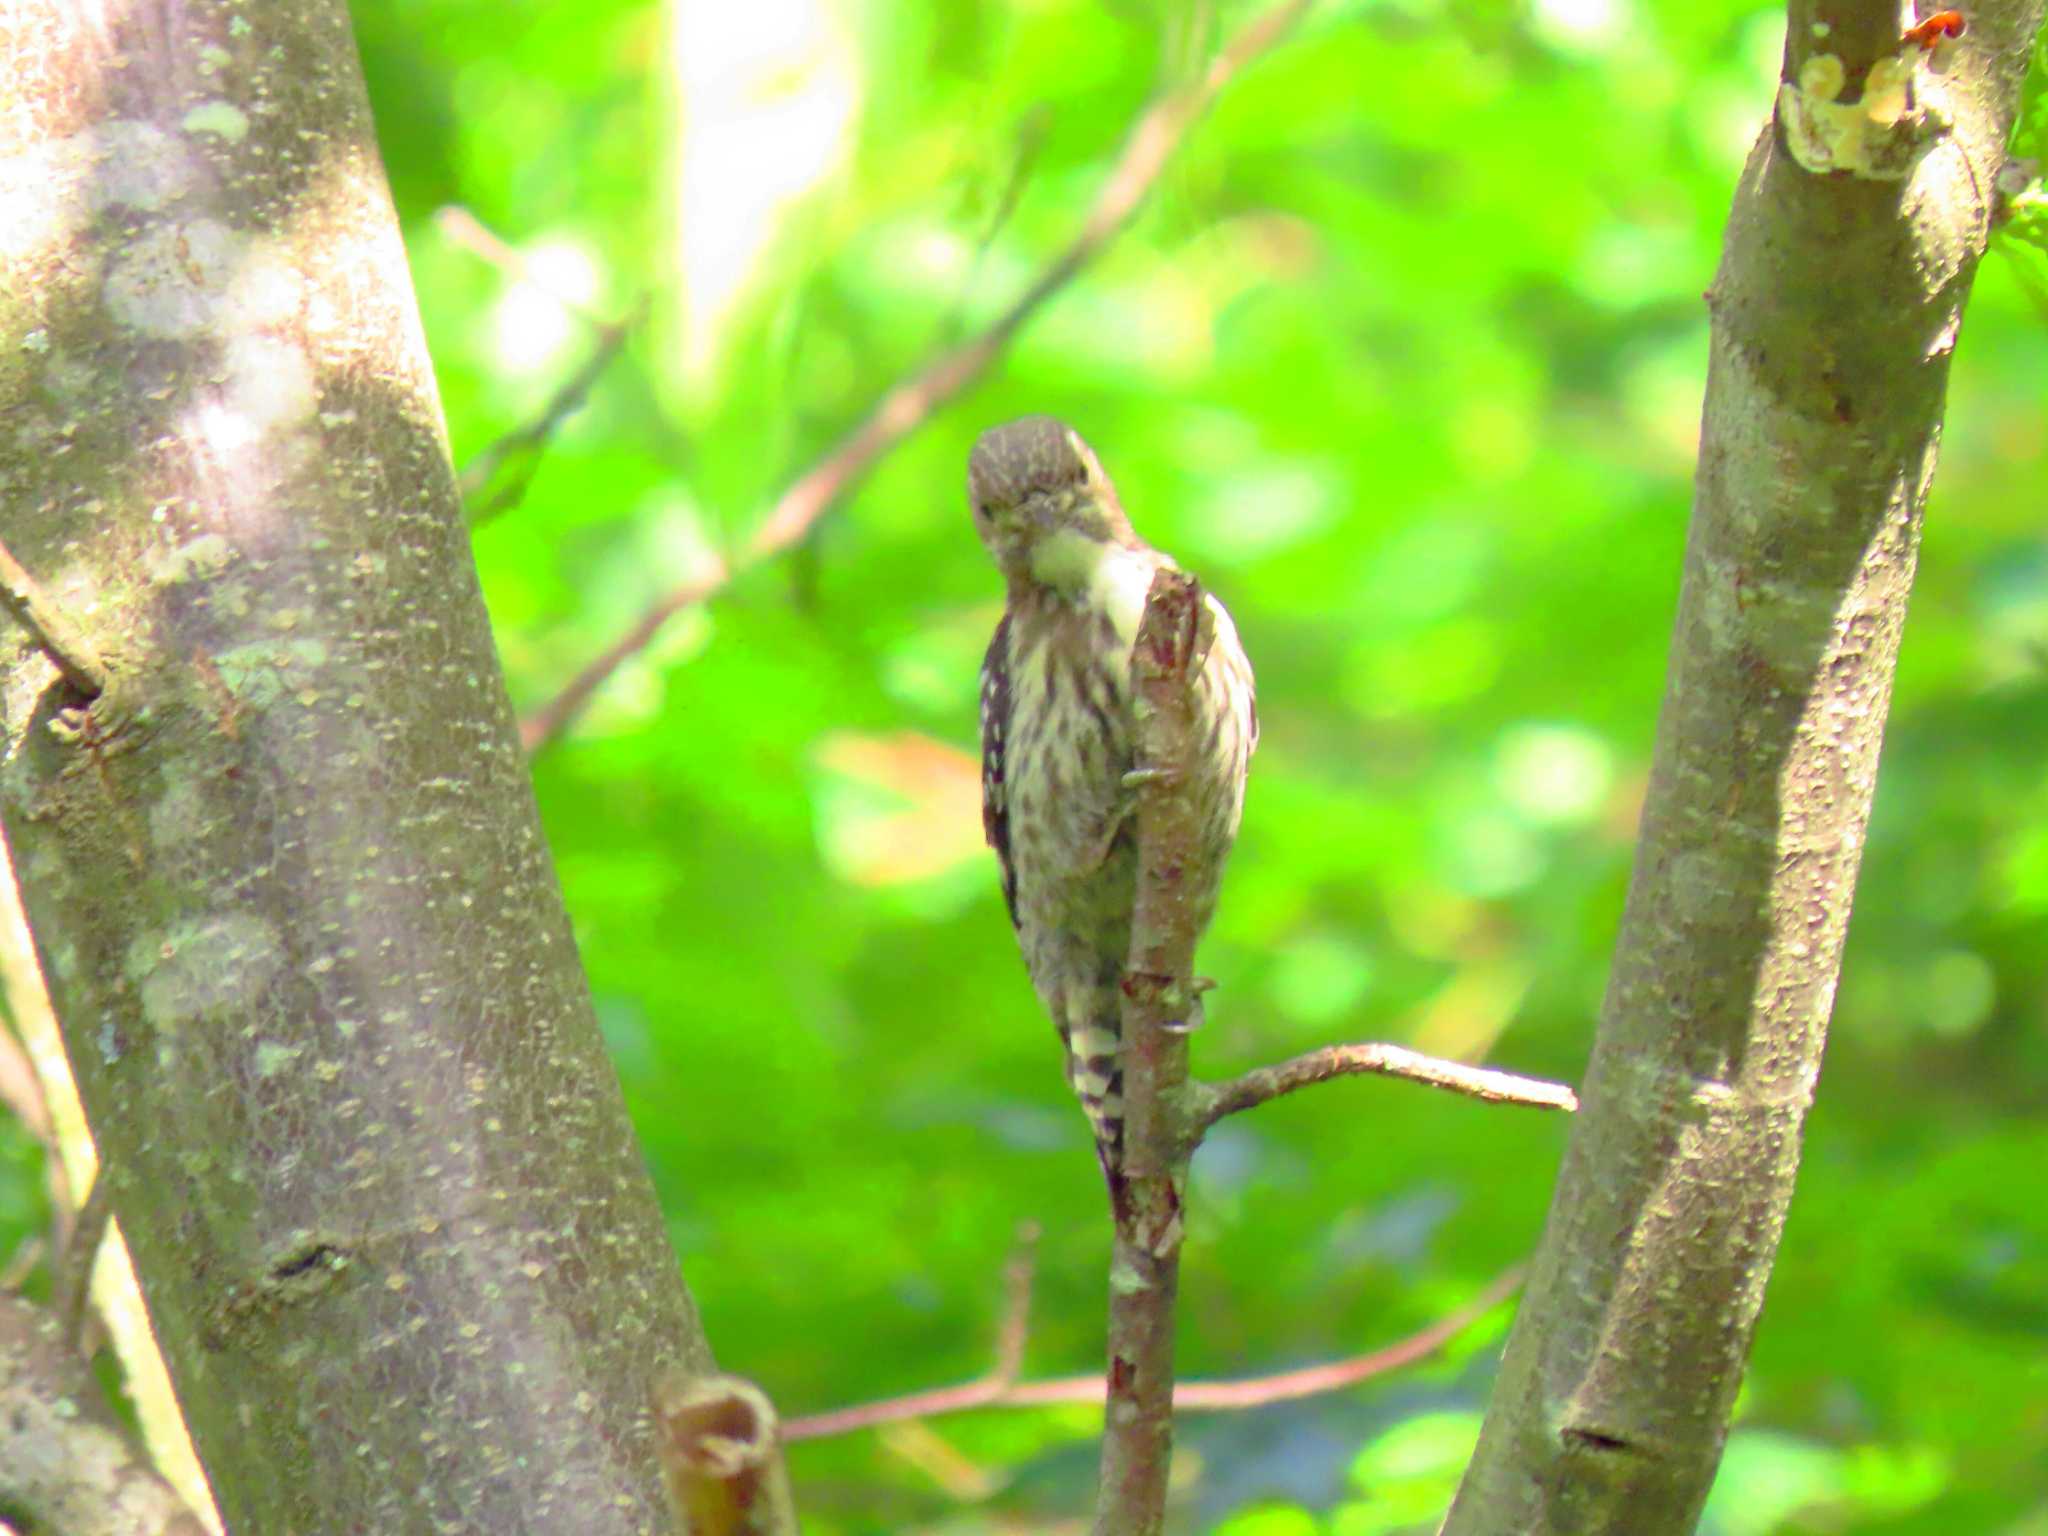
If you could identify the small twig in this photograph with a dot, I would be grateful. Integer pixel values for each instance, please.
(27, 1255)
(50, 628)
(523, 446)
(21, 1091)
(721, 1456)
(1012, 1331)
(1031, 136)
(1333, 1061)
(1188, 1396)
(1334, 1376)
(74, 1264)
(547, 722)
(1153, 138)
(461, 227)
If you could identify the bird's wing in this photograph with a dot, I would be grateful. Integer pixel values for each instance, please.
(995, 734)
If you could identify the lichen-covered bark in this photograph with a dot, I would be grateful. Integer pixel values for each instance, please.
(1835, 312)
(285, 875)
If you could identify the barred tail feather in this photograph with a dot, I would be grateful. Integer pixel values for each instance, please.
(1095, 1069)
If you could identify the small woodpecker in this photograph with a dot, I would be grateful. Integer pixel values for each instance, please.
(1056, 732)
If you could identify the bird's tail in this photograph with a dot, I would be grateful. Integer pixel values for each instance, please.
(1095, 1068)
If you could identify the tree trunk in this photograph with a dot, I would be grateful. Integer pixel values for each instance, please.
(284, 871)
(1855, 235)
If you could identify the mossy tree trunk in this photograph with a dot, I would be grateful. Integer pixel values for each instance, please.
(284, 873)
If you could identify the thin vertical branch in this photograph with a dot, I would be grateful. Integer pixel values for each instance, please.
(1137, 1439)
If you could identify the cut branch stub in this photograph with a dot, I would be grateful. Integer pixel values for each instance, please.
(721, 1453)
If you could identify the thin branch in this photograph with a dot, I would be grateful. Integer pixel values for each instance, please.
(74, 1264)
(20, 1091)
(71, 1165)
(50, 628)
(1157, 133)
(1334, 1061)
(461, 227)
(1188, 1396)
(1335, 1375)
(20, 1265)
(522, 447)
(548, 722)
(1014, 1331)
(1146, 1190)
(982, 1392)
(1032, 132)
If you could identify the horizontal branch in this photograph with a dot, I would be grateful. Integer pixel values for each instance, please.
(1188, 1396)
(1334, 1061)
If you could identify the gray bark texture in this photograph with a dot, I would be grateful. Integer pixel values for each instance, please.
(1855, 235)
(285, 874)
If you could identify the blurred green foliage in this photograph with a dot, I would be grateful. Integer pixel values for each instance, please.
(1405, 358)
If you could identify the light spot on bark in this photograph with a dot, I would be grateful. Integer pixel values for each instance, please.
(269, 387)
(170, 278)
(50, 190)
(180, 816)
(138, 165)
(223, 119)
(204, 557)
(261, 674)
(204, 966)
(267, 289)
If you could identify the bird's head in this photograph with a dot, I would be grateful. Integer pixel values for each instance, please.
(1042, 504)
